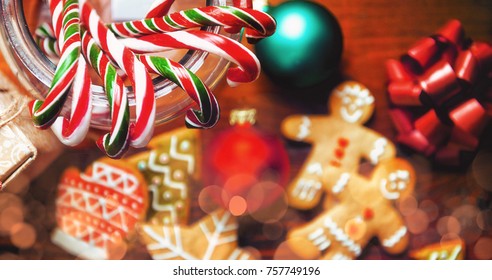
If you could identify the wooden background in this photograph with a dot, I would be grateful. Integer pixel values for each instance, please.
(374, 30)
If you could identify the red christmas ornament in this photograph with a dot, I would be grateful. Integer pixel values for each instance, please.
(244, 161)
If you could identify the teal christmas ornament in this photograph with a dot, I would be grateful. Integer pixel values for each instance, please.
(307, 47)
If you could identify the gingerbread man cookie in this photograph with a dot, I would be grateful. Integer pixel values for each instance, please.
(366, 210)
(169, 168)
(339, 141)
(212, 238)
(98, 209)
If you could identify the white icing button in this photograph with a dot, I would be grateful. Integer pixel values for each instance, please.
(164, 158)
(167, 195)
(185, 146)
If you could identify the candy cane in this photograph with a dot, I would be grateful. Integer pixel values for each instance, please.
(208, 115)
(72, 132)
(45, 35)
(159, 8)
(44, 113)
(45, 30)
(141, 130)
(238, 4)
(249, 66)
(114, 143)
(258, 24)
(48, 46)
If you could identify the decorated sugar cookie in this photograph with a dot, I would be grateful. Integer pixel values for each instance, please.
(449, 250)
(339, 141)
(98, 209)
(366, 210)
(169, 168)
(212, 238)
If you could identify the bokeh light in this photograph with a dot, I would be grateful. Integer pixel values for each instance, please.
(207, 198)
(423, 239)
(237, 205)
(448, 224)
(408, 205)
(23, 235)
(467, 217)
(481, 166)
(417, 222)
(9, 200)
(274, 211)
(430, 208)
(9, 217)
(483, 248)
(449, 237)
(484, 220)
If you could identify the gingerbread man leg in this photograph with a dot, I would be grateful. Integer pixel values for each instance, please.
(323, 238)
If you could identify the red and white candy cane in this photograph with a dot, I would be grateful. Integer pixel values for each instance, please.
(46, 40)
(249, 66)
(56, 9)
(44, 113)
(209, 114)
(141, 131)
(258, 24)
(114, 143)
(159, 8)
(239, 4)
(72, 132)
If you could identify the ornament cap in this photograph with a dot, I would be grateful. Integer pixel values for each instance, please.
(242, 117)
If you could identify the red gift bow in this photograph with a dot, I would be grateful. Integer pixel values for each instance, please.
(441, 94)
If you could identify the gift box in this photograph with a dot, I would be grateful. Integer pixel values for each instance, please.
(25, 151)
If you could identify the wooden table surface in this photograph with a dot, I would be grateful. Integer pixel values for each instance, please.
(374, 31)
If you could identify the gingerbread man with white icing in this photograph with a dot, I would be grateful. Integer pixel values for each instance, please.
(339, 141)
(366, 210)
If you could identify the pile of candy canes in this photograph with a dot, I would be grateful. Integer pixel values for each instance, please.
(81, 40)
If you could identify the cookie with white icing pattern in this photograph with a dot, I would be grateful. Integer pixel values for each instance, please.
(339, 141)
(366, 210)
(212, 238)
(98, 210)
(170, 168)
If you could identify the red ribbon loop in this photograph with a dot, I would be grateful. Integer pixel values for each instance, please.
(451, 81)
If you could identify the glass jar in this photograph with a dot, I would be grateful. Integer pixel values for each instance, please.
(35, 71)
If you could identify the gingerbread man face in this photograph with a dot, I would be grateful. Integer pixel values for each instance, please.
(352, 102)
(365, 211)
(339, 141)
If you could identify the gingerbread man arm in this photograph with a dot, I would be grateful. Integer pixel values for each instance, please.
(300, 127)
(304, 192)
(392, 233)
(336, 181)
(376, 147)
